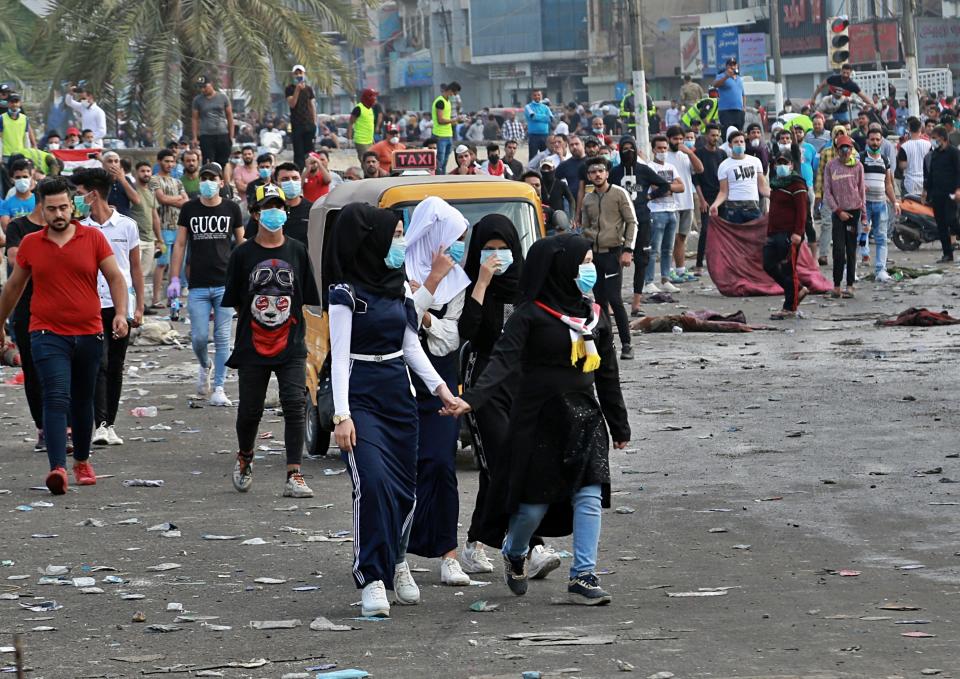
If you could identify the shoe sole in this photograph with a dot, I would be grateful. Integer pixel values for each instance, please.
(56, 484)
(584, 601)
(298, 496)
(520, 591)
(546, 569)
(377, 613)
(241, 489)
(475, 568)
(448, 583)
(405, 602)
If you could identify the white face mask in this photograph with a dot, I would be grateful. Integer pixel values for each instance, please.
(53, 146)
(660, 157)
(394, 140)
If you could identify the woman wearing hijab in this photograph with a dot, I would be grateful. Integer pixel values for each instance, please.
(373, 340)
(556, 473)
(432, 260)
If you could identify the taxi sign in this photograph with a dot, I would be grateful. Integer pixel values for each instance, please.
(415, 159)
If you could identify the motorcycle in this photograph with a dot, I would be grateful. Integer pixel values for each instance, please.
(916, 225)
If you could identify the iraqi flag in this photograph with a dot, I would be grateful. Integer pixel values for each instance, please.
(72, 159)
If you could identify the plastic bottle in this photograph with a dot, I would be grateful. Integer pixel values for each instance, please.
(144, 411)
(175, 309)
(677, 330)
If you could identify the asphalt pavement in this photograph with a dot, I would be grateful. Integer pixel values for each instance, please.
(787, 507)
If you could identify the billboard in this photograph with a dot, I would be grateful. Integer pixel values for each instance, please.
(802, 28)
(716, 46)
(866, 38)
(753, 55)
(938, 43)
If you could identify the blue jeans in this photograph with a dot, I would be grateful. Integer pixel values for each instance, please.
(200, 301)
(444, 146)
(878, 219)
(586, 529)
(663, 229)
(736, 215)
(67, 366)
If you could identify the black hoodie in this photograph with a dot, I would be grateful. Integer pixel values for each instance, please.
(637, 181)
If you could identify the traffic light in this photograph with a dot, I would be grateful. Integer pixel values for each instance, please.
(838, 41)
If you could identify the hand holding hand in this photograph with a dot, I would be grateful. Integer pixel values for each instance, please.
(414, 285)
(345, 434)
(456, 409)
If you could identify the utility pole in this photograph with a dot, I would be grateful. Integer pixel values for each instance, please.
(775, 51)
(910, 56)
(639, 80)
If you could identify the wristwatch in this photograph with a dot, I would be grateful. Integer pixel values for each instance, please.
(337, 419)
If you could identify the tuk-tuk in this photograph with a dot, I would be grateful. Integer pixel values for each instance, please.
(474, 195)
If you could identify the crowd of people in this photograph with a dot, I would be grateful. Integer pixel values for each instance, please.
(223, 224)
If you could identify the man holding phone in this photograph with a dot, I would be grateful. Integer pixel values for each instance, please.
(303, 115)
(732, 101)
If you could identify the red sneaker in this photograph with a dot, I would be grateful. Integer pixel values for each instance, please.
(84, 474)
(57, 480)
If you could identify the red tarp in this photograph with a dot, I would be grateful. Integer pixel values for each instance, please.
(735, 261)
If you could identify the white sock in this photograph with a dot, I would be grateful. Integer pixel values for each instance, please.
(680, 271)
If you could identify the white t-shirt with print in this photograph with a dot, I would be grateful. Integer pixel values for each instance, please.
(681, 161)
(667, 203)
(743, 177)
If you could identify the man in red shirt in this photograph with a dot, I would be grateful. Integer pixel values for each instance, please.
(386, 146)
(317, 178)
(62, 261)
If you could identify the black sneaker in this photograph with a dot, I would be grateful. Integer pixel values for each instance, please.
(637, 313)
(585, 589)
(515, 574)
(41, 445)
(945, 259)
(626, 353)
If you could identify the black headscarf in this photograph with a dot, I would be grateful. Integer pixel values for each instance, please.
(548, 275)
(359, 241)
(504, 288)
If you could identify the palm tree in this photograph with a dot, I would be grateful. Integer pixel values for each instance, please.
(15, 32)
(152, 51)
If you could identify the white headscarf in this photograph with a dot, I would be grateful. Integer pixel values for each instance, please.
(434, 226)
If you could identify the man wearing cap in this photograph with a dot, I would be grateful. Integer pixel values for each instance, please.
(441, 113)
(92, 117)
(732, 102)
(466, 157)
(704, 110)
(286, 177)
(72, 140)
(15, 128)
(828, 153)
(211, 225)
(268, 280)
(4, 93)
(385, 147)
(212, 122)
(303, 114)
(364, 121)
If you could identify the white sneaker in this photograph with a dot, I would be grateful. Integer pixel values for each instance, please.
(203, 380)
(296, 486)
(404, 588)
(650, 289)
(451, 573)
(113, 439)
(667, 286)
(542, 560)
(100, 436)
(474, 559)
(219, 398)
(373, 601)
(883, 277)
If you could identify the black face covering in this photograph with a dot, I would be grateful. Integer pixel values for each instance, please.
(359, 242)
(628, 158)
(546, 180)
(494, 159)
(674, 147)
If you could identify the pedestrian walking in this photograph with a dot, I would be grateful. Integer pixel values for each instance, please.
(435, 250)
(170, 197)
(93, 186)
(556, 476)
(844, 193)
(268, 280)
(789, 206)
(373, 340)
(62, 261)
(212, 122)
(211, 226)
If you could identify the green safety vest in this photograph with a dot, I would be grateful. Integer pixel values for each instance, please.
(363, 126)
(441, 130)
(628, 116)
(712, 107)
(38, 157)
(14, 130)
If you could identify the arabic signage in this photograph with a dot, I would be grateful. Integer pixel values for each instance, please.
(938, 43)
(802, 28)
(865, 38)
(716, 46)
(753, 55)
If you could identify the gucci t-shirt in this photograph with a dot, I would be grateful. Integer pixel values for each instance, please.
(210, 236)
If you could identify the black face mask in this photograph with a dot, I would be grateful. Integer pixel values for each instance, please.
(494, 159)
(628, 157)
(674, 147)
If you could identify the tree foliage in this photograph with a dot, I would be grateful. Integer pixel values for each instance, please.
(152, 51)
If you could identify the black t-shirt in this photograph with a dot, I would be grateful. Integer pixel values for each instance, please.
(210, 237)
(17, 230)
(844, 89)
(268, 287)
(572, 170)
(300, 114)
(298, 219)
(708, 180)
(637, 185)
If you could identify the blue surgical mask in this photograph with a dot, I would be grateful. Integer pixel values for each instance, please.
(292, 188)
(209, 188)
(81, 206)
(398, 249)
(456, 251)
(505, 256)
(738, 150)
(264, 172)
(689, 143)
(783, 170)
(22, 185)
(587, 277)
(273, 219)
